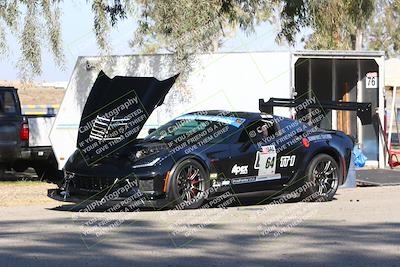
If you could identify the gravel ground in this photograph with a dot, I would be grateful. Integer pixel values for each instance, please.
(25, 193)
(360, 227)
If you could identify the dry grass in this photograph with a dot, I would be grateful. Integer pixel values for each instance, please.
(25, 193)
(35, 94)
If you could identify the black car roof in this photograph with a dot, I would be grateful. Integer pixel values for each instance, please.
(249, 116)
(239, 114)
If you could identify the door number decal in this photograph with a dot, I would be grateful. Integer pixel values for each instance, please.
(265, 161)
(287, 161)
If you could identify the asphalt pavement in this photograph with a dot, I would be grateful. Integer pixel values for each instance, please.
(361, 227)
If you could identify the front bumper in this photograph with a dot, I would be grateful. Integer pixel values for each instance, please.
(84, 201)
(149, 183)
(83, 189)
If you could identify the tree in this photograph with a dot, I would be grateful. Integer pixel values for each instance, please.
(40, 22)
(384, 30)
(182, 27)
(335, 24)
(187, 27)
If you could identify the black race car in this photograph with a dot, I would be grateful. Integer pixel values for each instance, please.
(196, 156)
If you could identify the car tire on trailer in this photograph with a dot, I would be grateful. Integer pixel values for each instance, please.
(188, 184)
(324, 173)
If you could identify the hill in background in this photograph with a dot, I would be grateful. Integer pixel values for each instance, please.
(38, 93)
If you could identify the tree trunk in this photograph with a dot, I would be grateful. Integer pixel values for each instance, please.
(359, 39)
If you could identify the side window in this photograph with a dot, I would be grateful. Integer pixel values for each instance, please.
(7, 103)
(258, 131)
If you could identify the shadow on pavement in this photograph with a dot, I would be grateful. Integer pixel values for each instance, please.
(28, 175)
(145, 243)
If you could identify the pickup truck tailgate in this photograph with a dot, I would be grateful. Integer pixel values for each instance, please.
(39, 129)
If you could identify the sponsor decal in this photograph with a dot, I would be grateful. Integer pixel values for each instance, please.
(287, 161)
(233, 121)
(102, 126)
(265, 161)
(226, 182)
(244, 180)
(320, 137)
(253, 179)
(213, 176)
(240, 169)
(217, 184)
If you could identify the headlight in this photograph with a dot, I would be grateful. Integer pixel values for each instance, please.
(152, 163)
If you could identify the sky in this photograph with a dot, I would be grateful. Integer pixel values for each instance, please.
(79, 40)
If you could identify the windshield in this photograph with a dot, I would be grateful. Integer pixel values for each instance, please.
(197, 127)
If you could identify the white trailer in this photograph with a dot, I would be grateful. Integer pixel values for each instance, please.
(232, 81)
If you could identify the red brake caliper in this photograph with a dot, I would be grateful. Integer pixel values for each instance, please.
(193, 182)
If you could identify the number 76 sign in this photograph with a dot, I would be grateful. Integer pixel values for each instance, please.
(371, 80)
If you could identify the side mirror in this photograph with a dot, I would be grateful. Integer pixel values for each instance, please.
(151, 130)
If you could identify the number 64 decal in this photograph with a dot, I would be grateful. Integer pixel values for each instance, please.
(287, 161)
(266, 160)
(270, 162)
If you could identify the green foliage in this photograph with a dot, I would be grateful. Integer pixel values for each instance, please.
(334, 23)
(35, 24)
(294, 17)
(182, 27)
(188, 27)
(384, 30)
(8, 14)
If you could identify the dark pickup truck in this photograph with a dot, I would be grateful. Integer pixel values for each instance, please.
(24, 139)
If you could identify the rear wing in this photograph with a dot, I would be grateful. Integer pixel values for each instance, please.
(363, 109)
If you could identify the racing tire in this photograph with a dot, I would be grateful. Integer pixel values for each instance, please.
(322, 179)
(188, 185)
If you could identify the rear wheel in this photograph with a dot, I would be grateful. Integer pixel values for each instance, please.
(189, 184)
(323, 176)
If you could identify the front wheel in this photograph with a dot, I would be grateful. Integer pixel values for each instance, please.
(189, 184)
(322, 176)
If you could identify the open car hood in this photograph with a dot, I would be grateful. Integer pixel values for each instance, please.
(115, 112)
